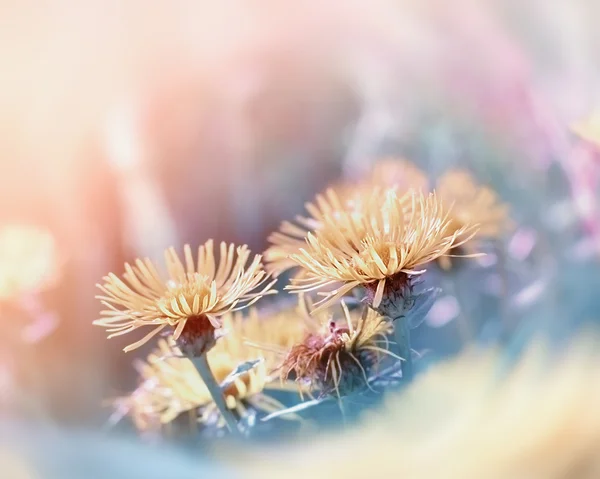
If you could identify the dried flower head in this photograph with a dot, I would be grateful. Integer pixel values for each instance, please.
(382, 248)
(472, 204)
(399, 175)
(190, 300)
(338, 356)
(589, 129)
(28, 261)
(171, 384)
(461, 419)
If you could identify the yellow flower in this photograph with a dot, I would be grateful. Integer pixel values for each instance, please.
(338, 357)
(472, 204)
(171, 384)
(291, 237)
(28, 261)
(395, 174)
(589, 130)
(398, 174)
(386, 244)
(190, 300)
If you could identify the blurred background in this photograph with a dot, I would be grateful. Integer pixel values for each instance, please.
(127, 127)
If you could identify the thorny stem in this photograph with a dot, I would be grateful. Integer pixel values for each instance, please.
(402, 336)
(201, 364)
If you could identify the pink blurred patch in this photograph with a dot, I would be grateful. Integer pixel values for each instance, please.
(583, 169)
(41, 322)
(443, 311)
(529, 295)
(522, 243)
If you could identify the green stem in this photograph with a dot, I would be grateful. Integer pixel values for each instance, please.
(201, 364)
(342, 411)
(402, 336)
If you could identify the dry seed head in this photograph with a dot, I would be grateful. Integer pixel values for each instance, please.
(339, 357)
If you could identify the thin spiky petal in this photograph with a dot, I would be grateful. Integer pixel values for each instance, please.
(392, 235)
(386, 174)
(192, 292)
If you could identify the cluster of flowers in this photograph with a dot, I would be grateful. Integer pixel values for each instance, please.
(361, 251)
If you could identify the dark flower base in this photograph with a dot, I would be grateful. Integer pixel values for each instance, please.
(197, 338)
(397, 296)
(352, 376)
